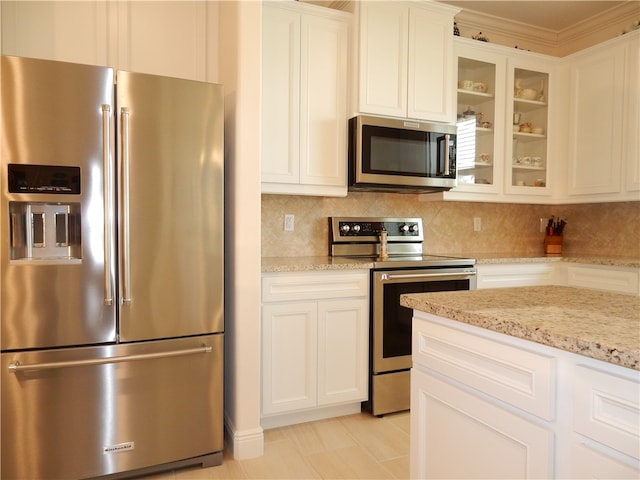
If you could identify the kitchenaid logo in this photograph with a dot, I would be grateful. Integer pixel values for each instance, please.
(120, 447)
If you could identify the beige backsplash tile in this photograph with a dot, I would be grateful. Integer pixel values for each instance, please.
(593, 229)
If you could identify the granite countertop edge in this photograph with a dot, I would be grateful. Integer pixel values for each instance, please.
(563, 333)
(320, 263)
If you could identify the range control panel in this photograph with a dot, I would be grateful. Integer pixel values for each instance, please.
(367, 229)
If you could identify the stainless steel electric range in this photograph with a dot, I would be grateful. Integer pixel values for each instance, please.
(395, 246)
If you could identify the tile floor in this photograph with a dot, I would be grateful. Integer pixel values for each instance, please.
(356, 446)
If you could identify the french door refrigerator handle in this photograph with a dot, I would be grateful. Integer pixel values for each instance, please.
(107, 198)
(124, 202)
(18, 367)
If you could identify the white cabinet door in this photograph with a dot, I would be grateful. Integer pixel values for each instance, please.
(595, 138)
(289, 356)
(384, 36)
(342, 351)
(406, 60)
(65, 31)
(157, 37)
(589, 462)
(323, 102)
(496, 443)
(281, 95)
(304, 95)
(163, 38)
(631, 138)
(430, 76)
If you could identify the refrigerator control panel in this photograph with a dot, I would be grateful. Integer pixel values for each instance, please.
(43, 179)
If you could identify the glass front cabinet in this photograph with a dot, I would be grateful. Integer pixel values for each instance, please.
(527, 155)
(503, 98)
(480, 121)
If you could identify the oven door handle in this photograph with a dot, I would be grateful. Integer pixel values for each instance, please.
(389, 276)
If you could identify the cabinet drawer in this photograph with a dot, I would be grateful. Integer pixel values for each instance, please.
(515, 275)
(603, 278)
(607, 408)
(517, 376)
(314, 286)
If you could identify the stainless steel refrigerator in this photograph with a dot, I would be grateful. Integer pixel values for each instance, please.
(111, 271)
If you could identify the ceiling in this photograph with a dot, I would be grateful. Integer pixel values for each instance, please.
(554, 16)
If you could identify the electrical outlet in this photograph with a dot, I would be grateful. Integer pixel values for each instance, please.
(477, 224)
(543, 225)
(289, 222)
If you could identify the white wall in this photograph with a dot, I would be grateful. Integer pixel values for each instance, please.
(240, 67)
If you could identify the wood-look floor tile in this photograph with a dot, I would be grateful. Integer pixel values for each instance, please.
(348, 463)
(321, 436)
(357, 446)
(381, 438)
(399, 467)
(281, 460)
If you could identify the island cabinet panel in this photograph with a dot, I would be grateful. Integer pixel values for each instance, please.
(496, 443)
(608, 410)
(519, 377)
(469, 419)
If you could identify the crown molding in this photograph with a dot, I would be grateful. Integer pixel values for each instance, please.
(617, 16)
(589, 32)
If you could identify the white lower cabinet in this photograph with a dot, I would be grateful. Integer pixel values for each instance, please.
(597, 277)
(488, 405)
(315, 332)
(516, 275)
(460, 435)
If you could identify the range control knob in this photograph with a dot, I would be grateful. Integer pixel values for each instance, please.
(345, 228)
(413, 228)
(404, 228)
(356, 228)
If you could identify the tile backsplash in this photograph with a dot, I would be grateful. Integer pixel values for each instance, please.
(592, 229)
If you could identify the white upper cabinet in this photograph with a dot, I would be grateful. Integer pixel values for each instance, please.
(481, 121)
(304, 99)
(64, 31)
(162, 38)
(604, 162)
(508, 117)
(406, 65)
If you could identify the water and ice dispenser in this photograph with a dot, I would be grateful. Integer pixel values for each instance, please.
(44, 230)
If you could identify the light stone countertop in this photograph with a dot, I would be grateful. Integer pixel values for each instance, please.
(308, 264)
(601, 325)
(319, 263)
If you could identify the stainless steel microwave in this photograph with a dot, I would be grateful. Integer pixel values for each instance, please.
(397, 155)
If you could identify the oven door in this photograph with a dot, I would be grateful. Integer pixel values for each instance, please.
(391, 322)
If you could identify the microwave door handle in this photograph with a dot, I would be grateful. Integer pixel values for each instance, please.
(447, 162)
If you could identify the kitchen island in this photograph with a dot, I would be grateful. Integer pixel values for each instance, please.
(531, 382)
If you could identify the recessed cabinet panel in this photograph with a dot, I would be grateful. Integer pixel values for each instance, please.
(406, 60)
(595, 140)
(496, 443)
(304, 99)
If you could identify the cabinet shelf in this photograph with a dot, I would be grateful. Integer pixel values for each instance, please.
(517, 166)
(470, 96)
(474, 166)
(529, 136)
(523, 101)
